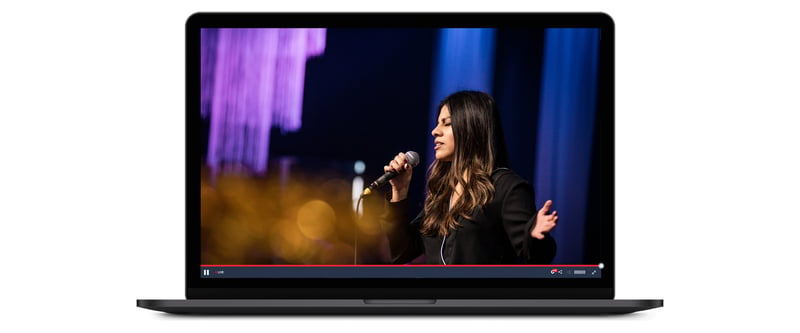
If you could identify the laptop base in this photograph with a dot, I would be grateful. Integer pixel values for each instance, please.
(415, 307)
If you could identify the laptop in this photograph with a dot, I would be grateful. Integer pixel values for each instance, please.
(290, 117)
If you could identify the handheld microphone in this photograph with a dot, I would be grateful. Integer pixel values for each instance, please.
(412, 158)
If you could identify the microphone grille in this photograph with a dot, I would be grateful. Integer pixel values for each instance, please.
(412, 158)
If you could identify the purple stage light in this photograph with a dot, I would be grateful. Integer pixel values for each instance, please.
(252, 80)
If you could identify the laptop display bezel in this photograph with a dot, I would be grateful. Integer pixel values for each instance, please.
(464, 288)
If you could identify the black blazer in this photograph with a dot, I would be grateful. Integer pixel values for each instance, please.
(497, 234)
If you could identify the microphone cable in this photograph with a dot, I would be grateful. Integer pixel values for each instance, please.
(355, 230)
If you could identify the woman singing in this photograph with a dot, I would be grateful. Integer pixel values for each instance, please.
(476, 211)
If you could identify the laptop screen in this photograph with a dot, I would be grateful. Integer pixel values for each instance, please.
(508, 118)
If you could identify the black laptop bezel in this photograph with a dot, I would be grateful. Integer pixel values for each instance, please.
(462, 288)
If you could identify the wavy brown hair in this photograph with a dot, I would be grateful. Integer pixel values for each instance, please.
(479, 149)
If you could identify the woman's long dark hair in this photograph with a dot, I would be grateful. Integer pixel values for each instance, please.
(479, 149)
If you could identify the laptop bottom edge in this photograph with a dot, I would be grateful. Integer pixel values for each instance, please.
(413, 307)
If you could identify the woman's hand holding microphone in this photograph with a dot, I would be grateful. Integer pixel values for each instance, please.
(401, 182)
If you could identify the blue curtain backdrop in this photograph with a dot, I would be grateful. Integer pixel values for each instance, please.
(565, 132)
(464, 61)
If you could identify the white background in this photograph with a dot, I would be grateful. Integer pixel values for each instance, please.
(91, 167)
